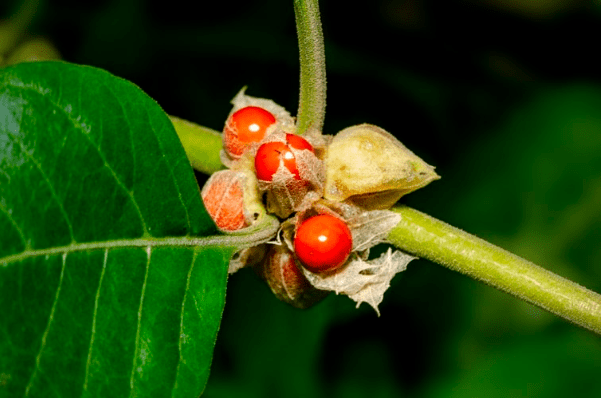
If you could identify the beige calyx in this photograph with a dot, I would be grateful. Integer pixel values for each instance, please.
(369, 167)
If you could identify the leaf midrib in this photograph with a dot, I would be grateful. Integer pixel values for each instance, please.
(243, 240)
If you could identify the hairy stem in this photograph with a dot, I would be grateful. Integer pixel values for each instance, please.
(432, 239)
(427, 237)
(250, 237)
(202, 145)
(312, 101)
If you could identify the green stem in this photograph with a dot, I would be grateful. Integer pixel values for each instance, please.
(420, 234)
(427, 237)
(202, 145)
(432, 239)
(312, 101)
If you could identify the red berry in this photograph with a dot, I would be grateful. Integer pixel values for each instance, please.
(270, 154)
(245, 126)
(323, 243)
(298, 142)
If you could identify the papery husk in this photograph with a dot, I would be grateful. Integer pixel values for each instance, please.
(223, 198)
(369, 167)
(368, 227)
(251, 204)
(247, 257)
(361, 280)
(284, 193)
(284, 122)
(285, 279)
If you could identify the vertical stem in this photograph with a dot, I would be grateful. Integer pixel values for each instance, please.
(312, 101)
(427, 237)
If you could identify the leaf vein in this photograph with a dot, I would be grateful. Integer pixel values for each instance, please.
(14, 223)
(175, 180)
(182, 336)
(139, 325)
(94, 315)
(129, 192)
(86, 133)
(45, 178)
(267, 231)
(47, 329)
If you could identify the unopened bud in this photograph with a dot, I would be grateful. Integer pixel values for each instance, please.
(368, 166)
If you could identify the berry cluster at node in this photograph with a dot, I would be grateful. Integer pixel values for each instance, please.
(329, 193)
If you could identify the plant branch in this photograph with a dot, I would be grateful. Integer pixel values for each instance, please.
(427, 237)
(202, 145)
(312, 101)
(418, 233)
(432, 239)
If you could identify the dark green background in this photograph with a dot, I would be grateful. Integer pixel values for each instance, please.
(504, 100)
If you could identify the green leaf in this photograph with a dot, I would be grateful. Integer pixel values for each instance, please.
(111, 281)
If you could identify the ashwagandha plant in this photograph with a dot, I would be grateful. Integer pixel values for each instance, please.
(112, 272)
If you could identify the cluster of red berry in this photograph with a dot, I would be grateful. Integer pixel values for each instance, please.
(331, 193)
(267, 160)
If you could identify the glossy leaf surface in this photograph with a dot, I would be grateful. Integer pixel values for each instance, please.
(111, 281)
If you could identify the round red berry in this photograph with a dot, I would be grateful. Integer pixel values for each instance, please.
(323, 243)
(245, 126)
(270, 154)
(298, 142)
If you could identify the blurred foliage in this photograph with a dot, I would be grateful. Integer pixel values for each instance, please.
(504, 97)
